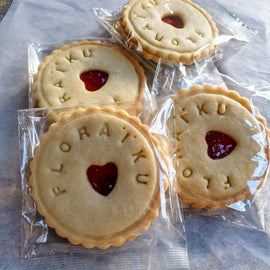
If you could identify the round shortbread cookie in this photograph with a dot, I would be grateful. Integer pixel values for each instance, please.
(89, 72)
(95, 177)
(177, 30)
(220, 144)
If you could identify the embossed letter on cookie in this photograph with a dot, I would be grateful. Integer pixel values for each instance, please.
(221, 148)
(177, 30)
(95, 178)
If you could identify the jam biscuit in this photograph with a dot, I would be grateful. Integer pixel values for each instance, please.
(95, 177)
(89, 72)
(177, 30)
(220, 146)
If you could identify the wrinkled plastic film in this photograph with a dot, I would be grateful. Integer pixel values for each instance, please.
(38, 52)
(39, 239)
(161, 245)
(233, 33)
(253, 211)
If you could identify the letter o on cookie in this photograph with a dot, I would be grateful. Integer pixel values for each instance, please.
(65, 147)
(187, 172)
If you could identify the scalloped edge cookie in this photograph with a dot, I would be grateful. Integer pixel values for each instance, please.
(129, 233)
(198, 200)
(137, 104)
(152, 51)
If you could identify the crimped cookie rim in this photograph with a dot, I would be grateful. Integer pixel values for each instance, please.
(41, 101)
(205, 202)
(154, 53)
(151, 212)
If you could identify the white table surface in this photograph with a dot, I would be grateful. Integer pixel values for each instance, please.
(211, 244)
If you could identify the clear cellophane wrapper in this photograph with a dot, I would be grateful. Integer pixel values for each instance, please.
(252, 212)
(162, 245)
(233, 33)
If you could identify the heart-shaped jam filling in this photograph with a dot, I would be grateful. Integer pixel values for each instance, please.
(219, 144)
(173, 20)
(102, 178)
(94, 79)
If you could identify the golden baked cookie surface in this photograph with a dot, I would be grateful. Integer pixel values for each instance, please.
(174, 29)
(112, 74)
(95, 178)
(221, 148)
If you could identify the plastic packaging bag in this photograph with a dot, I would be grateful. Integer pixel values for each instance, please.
(164, 242)
(38, 54)
(162, 246)
(233, 33)
(251, 212)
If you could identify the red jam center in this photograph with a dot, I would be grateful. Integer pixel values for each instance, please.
(219, 144)
(102, 178)
(94, 79)
(173, 20)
